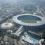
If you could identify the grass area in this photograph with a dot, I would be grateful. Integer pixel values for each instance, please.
(29, 21)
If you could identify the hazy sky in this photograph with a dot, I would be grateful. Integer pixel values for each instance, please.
(20, 0)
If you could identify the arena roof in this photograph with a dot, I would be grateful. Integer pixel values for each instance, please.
(16, 20)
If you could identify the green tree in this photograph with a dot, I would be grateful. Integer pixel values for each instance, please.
(43, 35)
(0, 33)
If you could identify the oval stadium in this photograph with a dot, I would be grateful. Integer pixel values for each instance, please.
(30, 22)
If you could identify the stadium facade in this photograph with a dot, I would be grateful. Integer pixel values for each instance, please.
(38, 26)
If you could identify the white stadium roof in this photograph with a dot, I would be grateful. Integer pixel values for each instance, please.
(15, 19)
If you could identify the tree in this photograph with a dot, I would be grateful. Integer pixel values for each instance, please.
(0, 33)
(43, 35)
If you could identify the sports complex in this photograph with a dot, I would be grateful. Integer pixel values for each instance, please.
(29, 24)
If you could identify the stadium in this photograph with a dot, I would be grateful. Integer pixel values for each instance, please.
(30, 22)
